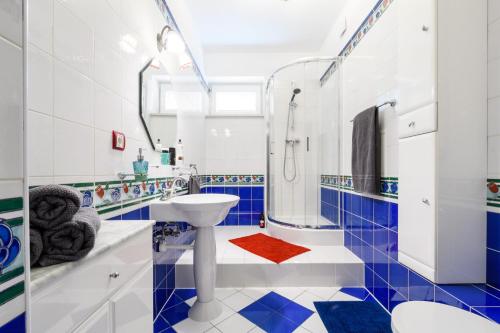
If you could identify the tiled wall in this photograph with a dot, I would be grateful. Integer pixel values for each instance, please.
(12, 277)
(371, 232)
(84, 60)
(250, 189)
(493, 239)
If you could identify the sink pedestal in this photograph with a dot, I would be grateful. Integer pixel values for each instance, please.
(206, 307)
(202, 211)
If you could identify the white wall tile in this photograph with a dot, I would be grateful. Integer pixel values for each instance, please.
(108, 162)
(73, 149)
(11, 114)
(494, 116)
(40, 145)
(493, 10)
(108, 66)
(132, 125)
(107, 109)
(40, 81)
(494, 156)
(41, 19)
(73, 40)
(72, 95)
(11, 14)
(494, 78)
(494, 40)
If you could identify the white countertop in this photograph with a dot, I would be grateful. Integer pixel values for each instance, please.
(111, 234)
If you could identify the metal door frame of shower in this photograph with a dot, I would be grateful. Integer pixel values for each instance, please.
(333, 61)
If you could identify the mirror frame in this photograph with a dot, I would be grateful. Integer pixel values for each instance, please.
(169, 18)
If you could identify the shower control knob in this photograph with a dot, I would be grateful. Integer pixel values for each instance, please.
(114, 275)
(426, 201)
(425, 28)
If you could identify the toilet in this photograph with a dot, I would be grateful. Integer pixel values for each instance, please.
(429, 317)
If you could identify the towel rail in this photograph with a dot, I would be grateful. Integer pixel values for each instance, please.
(392, 103)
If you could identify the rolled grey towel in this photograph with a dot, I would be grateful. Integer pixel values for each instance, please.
(36, 246)
(52, 205)
(70, 241)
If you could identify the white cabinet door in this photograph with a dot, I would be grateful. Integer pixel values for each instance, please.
(417, 203)
(132, 307)
(99, 322)
(417, 54)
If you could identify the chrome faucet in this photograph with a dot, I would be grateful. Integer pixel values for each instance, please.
(167, 194)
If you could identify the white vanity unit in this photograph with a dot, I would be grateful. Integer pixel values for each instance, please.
(110, 290)
(442, 108)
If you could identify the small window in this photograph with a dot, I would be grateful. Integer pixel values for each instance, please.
(236, 99)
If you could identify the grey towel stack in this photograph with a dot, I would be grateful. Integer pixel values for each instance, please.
(60, 230)
(366, 152)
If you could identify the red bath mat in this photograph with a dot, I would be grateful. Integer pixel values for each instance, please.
(269, 247)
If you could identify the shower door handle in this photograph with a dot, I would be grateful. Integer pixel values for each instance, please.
(307, 144)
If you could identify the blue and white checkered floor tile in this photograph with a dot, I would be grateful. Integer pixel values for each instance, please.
(279, 310)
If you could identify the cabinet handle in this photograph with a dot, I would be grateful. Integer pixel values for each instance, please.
(426, 201)
(114, 275)
(411, 124)
(425, 28)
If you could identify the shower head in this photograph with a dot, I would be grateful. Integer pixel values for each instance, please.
(296, 91)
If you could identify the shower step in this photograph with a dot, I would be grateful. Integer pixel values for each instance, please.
(323, 266)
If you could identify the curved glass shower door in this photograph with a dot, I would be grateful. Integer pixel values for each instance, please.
(302, 116)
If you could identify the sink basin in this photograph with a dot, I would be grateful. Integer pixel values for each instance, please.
(203, 211)
(199, 210)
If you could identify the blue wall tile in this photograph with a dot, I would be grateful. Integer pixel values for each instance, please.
(443, 297)
(16, 325)
(145, 213)
(381, 265)
(231, 220)
(420, 289)
(245, 219)
(381, 291)
(367, 208)
(493, 267)
(356, 204)
(257, 192)
(231, 190)
(133, 215)
(398, 277)
(493, 231)
(245, 192)
(381, 212)
(393, 216)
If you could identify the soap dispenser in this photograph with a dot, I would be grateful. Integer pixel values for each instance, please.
(140, 167)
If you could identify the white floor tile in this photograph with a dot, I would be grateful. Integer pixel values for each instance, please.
(307, 300)
(213, 330)
(301, 330)
(324, 292)
(190, 326)
(256, 293)
(340, 296)
(191, 301)
(257, 330)
(289, 292)
(238, 301)
(223, 293)
(314, 324)
(226, 313)
(235, 324)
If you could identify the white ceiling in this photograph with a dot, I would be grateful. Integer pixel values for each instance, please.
(264, 25)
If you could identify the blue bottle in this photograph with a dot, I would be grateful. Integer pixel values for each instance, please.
(140, 167)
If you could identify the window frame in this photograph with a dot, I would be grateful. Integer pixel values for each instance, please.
(237, 86)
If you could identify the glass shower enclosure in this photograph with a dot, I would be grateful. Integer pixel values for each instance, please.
(303, 110)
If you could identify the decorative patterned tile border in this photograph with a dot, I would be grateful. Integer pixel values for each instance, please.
(388, 185)
(11, 249)
(232, 180)
(372, 18)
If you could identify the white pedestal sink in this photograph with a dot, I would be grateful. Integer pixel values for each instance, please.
(203, 211)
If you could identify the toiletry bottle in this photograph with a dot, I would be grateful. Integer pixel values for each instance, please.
(180, 153)
(171, 151)
(158, 146)
(165, 157)
(140, 167)
(262, 220)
